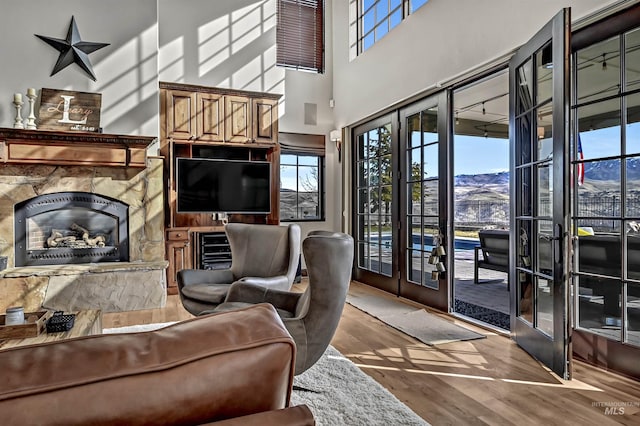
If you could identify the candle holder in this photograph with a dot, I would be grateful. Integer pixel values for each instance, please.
(18, 121)
(31, 119)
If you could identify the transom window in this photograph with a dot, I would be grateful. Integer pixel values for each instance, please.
(377, 17)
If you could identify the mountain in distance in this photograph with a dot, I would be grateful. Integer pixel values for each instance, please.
(500, 178)
(610, 169)
(606, 170)
(483, 200)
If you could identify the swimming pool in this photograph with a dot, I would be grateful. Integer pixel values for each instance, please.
(427, 243)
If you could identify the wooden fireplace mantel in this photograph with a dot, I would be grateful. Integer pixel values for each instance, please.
(18, 146)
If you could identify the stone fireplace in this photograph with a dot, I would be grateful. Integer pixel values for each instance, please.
(80, 233)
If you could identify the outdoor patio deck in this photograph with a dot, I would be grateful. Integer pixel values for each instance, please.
(487, 301)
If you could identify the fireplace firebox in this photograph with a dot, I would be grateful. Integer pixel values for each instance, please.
(71, 228)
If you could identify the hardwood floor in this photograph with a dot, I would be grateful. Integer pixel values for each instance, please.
(479, 382)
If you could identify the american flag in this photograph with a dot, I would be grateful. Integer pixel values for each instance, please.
(581, 163)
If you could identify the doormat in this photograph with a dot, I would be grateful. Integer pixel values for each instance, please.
(486, 315)
(428, 328)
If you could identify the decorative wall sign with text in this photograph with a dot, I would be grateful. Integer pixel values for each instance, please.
(69, 110)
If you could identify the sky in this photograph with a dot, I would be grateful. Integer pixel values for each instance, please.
(302, 166)
(478, 155)
(605, 142)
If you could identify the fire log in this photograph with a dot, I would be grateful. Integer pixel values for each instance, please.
(80, 229)
(57, 239)
(97, 241)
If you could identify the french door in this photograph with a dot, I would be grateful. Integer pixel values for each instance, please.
(540, 181)
(400, 169)
(375, 199)
(423, 201)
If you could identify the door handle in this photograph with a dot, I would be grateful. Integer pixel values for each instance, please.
(557, 244)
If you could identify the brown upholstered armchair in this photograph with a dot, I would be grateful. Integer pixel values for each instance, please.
(310, 317)
(262, 255)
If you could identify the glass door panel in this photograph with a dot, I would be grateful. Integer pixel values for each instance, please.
(607, 199)
(374, 218)
(539, 77)
(423, 136)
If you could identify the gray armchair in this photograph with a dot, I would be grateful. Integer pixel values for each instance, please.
(310, 317)
(262, 255)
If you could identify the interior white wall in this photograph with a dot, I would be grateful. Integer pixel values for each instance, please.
(441, 40)
(126, 70)
(232, 44)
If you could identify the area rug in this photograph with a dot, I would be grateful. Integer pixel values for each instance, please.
(428, 328)
(336, 391)
(339, 393)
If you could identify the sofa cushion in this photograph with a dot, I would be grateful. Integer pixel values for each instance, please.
(299, 415)
(211, 293)
(209, 368)
(232, 306)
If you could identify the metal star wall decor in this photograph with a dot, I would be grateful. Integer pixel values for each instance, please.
(73, 49)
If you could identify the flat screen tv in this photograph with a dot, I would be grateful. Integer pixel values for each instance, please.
(206, 185)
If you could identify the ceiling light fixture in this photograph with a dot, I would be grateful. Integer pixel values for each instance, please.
(604, 62)
(486, 134)
(457, 118)
(484, 111)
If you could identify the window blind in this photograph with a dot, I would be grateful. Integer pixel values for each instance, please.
(301, 144)
(300, 35)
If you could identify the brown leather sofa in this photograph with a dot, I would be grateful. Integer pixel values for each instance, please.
(214, 368)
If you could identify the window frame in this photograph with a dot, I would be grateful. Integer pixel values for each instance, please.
(404, 7)
(321, 185)
(620, 279)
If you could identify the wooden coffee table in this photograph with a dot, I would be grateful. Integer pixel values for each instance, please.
(87, 323)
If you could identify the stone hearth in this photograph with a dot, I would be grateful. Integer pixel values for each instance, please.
(111, 286)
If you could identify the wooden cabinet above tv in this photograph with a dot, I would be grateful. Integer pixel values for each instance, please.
(194, 116)
(208, 122)
(208, 114)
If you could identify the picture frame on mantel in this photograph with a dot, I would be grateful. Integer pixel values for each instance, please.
(68, 110)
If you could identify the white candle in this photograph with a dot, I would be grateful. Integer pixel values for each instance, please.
(17, 98)
(14, 316)
(31, 92)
